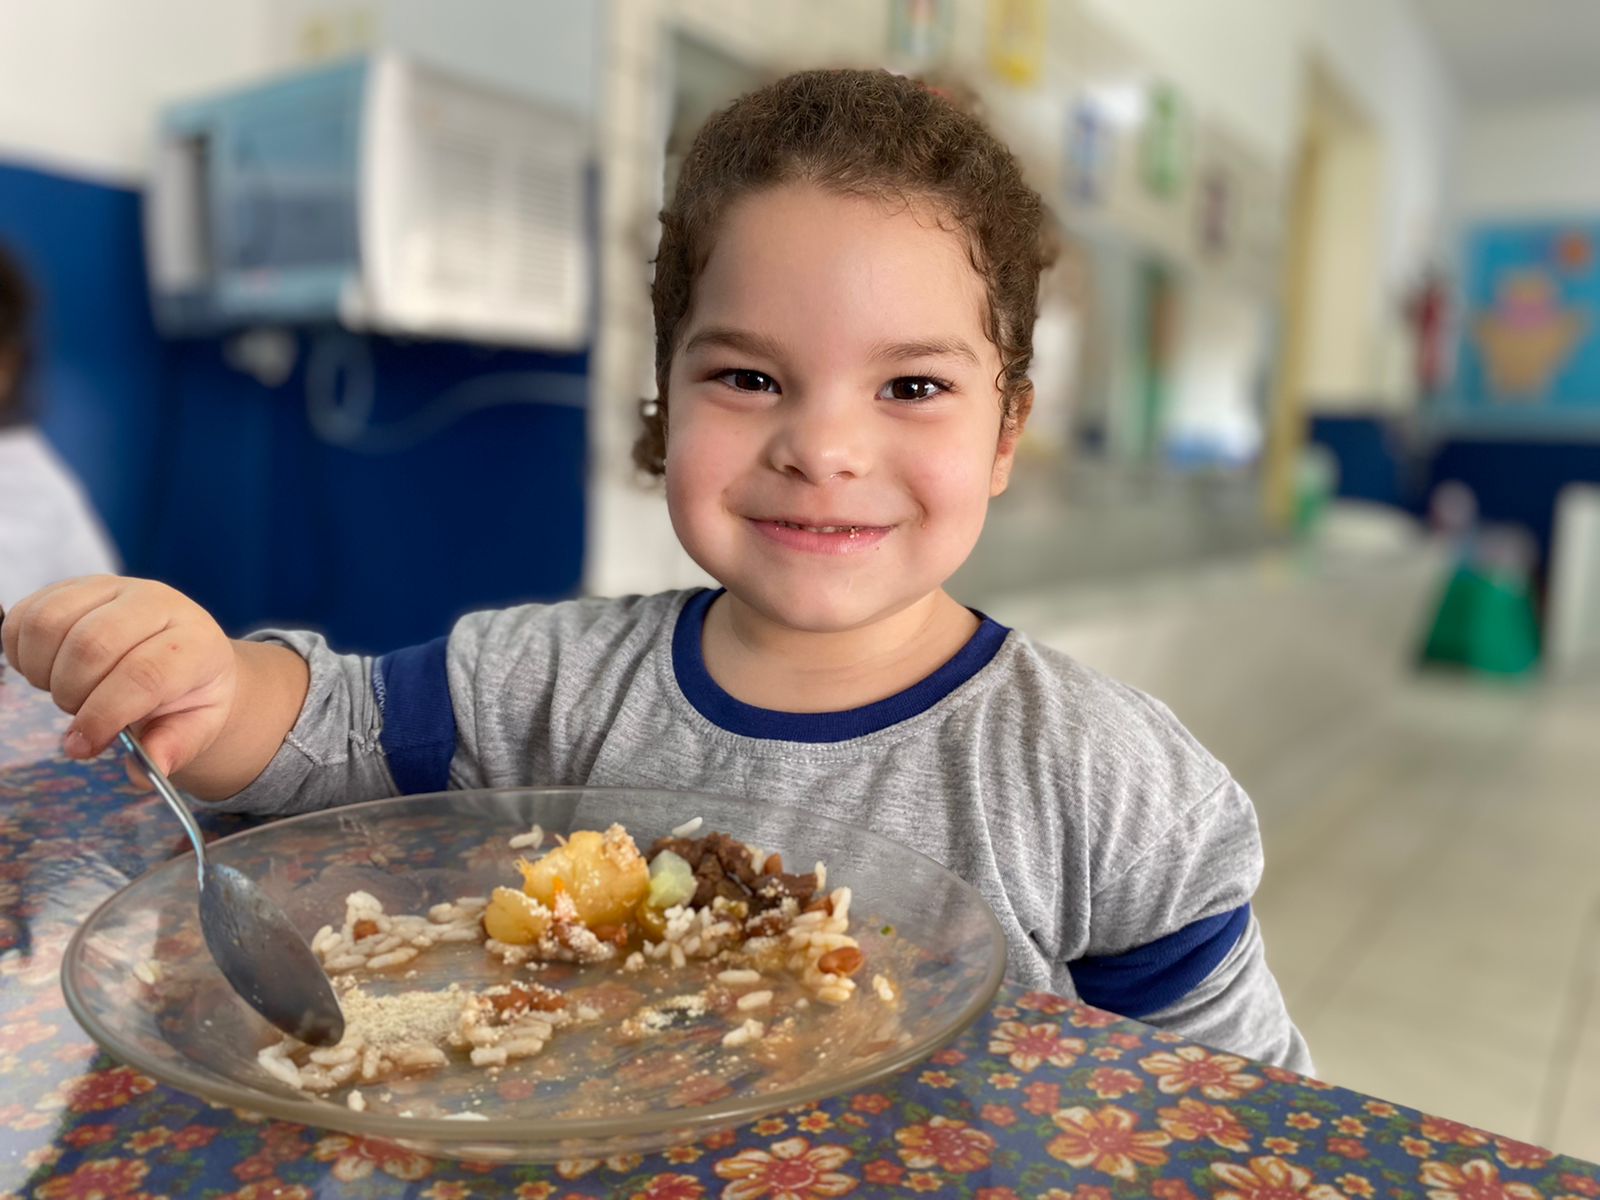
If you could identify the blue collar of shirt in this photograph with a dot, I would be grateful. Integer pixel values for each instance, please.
(735, 716)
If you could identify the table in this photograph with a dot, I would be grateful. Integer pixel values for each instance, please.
(1043, 1097)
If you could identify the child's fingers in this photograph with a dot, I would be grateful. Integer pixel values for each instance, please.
(155, 674)
(95, 645)
(11, 628)
(172, 742)
(37, 624)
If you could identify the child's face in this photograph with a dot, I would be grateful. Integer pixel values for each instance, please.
(834, 429)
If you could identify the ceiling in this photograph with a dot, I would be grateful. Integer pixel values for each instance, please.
(1502, 52)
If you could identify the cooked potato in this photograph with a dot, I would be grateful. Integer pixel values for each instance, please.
(515, 918)
(605, 875)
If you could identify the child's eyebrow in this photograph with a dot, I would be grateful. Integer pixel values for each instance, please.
(744, 341)
(951, 347)
(741, 340)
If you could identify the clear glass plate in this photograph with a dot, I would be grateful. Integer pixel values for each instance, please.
(591, 1093)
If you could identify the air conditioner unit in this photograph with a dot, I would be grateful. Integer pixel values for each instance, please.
(377, 193)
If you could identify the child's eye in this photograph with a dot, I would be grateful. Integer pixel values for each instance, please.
(749, 381)
(911, 388)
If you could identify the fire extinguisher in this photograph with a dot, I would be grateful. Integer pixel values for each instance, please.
(1428, 311)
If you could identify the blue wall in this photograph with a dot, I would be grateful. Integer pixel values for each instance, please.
(1372, 457)
(218, 485)
(1515, 480)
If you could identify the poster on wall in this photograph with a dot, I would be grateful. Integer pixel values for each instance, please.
(1530, 346)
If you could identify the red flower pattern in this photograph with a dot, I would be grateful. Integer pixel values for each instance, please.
(670, 1187)
(1111, 1083)
(98, 1179)
(1048, 1004)
(1043, 1098)
(1440, 1130)
(883, 1171)
(1029, 1046)
(792, 1170)
(107, 1089)
(355, 1158)
(944, 1143)
(1108, 1141)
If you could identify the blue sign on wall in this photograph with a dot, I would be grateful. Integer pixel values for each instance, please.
(1530, 342)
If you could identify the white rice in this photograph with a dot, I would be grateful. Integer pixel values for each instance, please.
(840, 902)
(688, 828)
(531, 840)
(278, 1067)
(392, 959)
(752, 1030)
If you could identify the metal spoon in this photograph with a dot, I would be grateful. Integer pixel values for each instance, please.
(261, 955)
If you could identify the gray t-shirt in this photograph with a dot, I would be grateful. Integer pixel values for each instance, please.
(1119, 856)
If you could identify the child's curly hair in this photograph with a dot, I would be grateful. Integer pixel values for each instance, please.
(855, 132)
(16, 321)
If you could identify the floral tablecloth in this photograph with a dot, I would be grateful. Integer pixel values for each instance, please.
(1041, 1098)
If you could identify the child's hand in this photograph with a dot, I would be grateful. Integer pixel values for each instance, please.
(126, 652)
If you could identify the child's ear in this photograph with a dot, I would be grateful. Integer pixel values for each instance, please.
(1010, 430)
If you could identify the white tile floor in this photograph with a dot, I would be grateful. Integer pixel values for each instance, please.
(1432, 909)
(1432, 896)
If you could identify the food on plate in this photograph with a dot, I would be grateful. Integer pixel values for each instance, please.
(701, 938)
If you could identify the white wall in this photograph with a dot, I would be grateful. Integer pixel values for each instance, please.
(1388, 62)
(1236, 58)
(83, 78)
(1532, 161)
(547, 49)
(1247, 62)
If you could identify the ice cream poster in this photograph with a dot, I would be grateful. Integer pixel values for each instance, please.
(1530, 337)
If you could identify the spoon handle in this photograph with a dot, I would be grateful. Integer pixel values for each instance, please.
(171, 796)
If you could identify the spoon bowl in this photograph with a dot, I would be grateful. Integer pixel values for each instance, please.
(255, 946)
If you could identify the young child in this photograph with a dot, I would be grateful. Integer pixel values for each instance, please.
(844, 301)
(48, 528)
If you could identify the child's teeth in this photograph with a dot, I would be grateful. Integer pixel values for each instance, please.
(852, 530)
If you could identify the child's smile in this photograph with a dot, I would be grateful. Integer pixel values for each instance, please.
(832, 536)
(834, 428)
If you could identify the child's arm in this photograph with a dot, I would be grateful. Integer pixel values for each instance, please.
(1175, 943)
(131, 652)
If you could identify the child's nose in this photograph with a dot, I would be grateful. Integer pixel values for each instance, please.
(820, 441)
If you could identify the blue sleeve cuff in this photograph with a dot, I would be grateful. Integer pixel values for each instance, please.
(412, 688)
(1154, 976)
